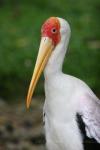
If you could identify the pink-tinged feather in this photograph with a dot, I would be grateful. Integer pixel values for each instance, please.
(90, 111)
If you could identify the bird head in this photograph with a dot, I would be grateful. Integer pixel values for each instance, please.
(52, 32)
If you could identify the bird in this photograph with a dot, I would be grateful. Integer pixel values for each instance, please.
(65, 96)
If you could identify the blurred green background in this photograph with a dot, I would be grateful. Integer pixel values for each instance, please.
(20, 24)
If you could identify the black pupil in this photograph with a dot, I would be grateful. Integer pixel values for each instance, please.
(54, 30)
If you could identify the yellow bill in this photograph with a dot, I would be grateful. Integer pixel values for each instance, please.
(46, 47)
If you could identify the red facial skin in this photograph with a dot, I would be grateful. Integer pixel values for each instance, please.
(51, 29)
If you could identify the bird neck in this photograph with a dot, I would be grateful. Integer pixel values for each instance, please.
(56, 59)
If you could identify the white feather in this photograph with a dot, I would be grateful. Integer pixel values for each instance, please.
(65, 97)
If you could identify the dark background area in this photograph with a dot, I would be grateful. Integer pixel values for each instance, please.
(20, 25)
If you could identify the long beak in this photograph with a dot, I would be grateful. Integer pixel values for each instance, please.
(46, 47)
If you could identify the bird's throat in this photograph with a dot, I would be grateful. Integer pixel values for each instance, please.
(56, 59)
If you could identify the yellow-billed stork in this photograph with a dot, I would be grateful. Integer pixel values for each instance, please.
(65, 95)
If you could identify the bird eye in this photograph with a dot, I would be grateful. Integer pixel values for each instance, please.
(54, 30)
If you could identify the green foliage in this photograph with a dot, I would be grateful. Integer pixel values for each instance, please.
(20, 24)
